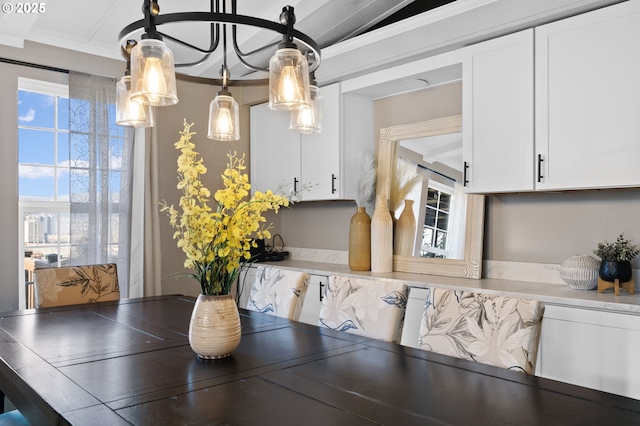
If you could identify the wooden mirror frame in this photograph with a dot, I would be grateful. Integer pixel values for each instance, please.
(471, 265)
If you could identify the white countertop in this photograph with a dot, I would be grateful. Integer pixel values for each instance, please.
(548, 293)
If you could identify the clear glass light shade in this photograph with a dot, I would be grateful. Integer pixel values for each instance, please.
(129, 113)
(153, 77)
(309, 119)
(288, 80)
(224, 119)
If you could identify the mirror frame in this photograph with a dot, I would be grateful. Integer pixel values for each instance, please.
(471, 265)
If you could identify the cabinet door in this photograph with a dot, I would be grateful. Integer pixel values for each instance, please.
(588, 99)
(313, 299)
(498, 114)
(275, 150)
(321, 152)
(589, 348)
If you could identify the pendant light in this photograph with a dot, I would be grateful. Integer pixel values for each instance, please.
(153, 75)
(224, 115)
(224, 121)
(288, 72)
(128, 112)
(309, 119)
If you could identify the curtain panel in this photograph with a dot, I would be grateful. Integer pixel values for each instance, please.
(100, 176)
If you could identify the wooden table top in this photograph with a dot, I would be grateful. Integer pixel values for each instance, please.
(129, 362)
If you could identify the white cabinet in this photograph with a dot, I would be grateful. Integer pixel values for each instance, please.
(313, 299)
(582, 98)
(498, 114)
(243, 289)
(588, 348)
(413, 317)
(322, 162)
(588, 99)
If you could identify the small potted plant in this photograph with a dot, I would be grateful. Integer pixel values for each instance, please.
(616, 259)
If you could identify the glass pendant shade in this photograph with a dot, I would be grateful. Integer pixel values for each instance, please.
(224, 118)
(288, 80)
(129, 113)
(309, 119)
(153, 77)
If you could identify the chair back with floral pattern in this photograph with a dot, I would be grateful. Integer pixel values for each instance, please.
(490, 329)
(366, 307)
(73, 285)
(278, 292)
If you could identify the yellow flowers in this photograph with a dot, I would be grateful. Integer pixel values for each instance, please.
(216, 238)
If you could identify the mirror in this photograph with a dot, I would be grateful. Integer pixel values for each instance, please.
(468, 263)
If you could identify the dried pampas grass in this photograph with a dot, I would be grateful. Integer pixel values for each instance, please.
(366, 181)
(403, 179)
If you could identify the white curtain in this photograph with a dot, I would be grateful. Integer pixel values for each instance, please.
(100, 176)
(457, 223)
(152, 252)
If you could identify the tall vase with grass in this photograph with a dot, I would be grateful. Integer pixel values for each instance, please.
(360, 225)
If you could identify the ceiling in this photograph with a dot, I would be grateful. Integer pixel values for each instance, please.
(327, 21)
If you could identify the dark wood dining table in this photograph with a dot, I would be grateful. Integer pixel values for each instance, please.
(129, 362)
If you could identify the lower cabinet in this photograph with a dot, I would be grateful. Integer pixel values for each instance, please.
(413, 316)
(313, 299)
(589, 348)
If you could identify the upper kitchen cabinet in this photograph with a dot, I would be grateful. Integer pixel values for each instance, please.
(497, 112)
(324, 164)
(588, 99)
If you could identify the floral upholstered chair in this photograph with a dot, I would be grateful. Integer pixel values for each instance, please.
(278, 292)
(365, 307)
(74, 285)
(489, 329)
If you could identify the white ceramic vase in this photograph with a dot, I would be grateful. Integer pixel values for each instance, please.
(580, 272)
(381, 237)
(214, 329)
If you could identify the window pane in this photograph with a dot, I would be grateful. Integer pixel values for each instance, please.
(443, 221)
(78, 150)
(432, 198)
(430, 218)
(35, 109)
(63, 113)
(36, 146)
(441, 240)
(445, 201)
(115, 153)
(63, 149)
(63, 185)
(36, 183)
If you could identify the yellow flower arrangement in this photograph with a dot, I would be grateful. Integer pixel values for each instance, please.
(217, 235)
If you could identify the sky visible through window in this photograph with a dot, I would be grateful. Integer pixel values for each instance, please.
(43, 147)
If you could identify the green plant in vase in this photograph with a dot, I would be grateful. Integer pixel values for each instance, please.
(616, 259)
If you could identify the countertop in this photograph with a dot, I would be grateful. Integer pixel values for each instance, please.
(552, 294)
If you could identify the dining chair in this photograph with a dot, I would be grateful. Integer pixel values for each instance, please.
(72, 285)
(278, 292)
(366, 307)
(490, 329)
(12, 417)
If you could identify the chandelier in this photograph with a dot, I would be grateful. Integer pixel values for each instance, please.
(150, 76)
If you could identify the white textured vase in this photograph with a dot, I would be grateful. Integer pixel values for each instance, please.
(214, 329)
(580, 272)
(381, 237)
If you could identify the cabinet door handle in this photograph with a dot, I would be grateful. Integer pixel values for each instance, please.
(333, 183)
(464, 174)
(540, 160)
(295, 185)
(321, 292)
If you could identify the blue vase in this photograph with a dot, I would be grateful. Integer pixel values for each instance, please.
(610, 270)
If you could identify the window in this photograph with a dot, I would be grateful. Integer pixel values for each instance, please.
(43, 169)
(436, 221)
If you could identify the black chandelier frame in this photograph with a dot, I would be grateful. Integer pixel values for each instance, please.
(152, 20)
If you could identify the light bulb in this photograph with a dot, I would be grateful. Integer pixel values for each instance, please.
(153, 80)
(289, 88)
(224, 118)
